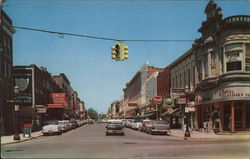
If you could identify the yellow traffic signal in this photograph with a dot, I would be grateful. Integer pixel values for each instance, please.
(125, 52)
(116, 52)
(119, 52)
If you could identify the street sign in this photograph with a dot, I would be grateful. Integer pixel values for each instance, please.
(181, 101)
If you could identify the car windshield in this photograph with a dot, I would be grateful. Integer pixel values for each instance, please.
(114, 122)
(53, 122)
(160, 122)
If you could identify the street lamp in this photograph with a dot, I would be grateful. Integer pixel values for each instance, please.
(187, 132)
(16, 109)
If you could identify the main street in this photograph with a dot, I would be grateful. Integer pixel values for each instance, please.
(90, 141)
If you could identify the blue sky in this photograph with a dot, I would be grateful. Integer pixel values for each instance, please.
(87, 62)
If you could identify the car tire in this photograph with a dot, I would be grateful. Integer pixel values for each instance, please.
(107, 134)
(150, 132)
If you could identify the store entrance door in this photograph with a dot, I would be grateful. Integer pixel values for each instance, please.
(238, 116)
(227, 118)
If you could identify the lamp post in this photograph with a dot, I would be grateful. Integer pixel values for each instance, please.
(187, 132)
(16, 109)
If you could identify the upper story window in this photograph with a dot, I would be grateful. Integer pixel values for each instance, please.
(247, 60)
(233, 56)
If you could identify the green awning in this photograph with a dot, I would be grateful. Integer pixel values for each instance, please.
(146, 115)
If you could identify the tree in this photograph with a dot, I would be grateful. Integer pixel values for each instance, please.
(101, 116)
(92, 114)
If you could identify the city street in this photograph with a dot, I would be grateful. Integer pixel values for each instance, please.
(90, 141)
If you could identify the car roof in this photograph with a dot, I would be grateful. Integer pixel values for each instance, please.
(114, 120)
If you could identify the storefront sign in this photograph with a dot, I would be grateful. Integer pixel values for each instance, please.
(224, 94)
(189, 109)
(157, 100)
(132, 104)
(181, 101)
(23, 79)
(168, 102)
(41, 110)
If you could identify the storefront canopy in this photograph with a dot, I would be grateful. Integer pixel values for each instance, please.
(174, 112)
(147, 115)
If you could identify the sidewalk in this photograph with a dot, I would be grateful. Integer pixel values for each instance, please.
(196, 135)
(5, 140)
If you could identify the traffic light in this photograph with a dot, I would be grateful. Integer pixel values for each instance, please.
(124, 52)
(119, 52)
(116, 52)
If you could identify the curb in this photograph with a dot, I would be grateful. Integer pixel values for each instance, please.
(210, 138)
(14, 142)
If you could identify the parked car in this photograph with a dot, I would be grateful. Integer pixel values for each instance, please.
(73, 124)
(158, 126)
(135, 125)
(114, 127)
(53, 127)
(129, 123)
(142, 126)
(64, 125)
(79, 122)
(91, 121)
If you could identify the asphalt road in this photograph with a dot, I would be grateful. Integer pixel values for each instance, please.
(90, 141)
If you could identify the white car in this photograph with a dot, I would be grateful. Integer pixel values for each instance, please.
(65, 126)
(114, 127)
(53, 127)
(135, 125)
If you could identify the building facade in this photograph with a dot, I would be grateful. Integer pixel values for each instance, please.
(223, 72)
(6, 78)
(35, 85)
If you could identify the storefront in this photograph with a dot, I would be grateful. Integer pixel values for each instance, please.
(224, 109)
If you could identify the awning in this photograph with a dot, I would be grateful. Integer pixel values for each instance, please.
(146, 115)
(174, 112)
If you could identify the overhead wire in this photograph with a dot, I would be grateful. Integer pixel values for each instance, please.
(62, 34)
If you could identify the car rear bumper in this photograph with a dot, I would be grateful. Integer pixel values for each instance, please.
(114, 131)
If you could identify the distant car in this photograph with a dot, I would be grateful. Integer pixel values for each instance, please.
(142, 126)
(114, 127)
(53, 127)
(135, 125)
(99, 121)
(158, 126)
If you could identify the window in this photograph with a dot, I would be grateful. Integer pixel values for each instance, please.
(185, 79)
(213, 64)
(176, 82)
(232, 66)
(233, 56)
(247, 60)
(173, 82)
(199, 69)
(180, 81)
(205, 64)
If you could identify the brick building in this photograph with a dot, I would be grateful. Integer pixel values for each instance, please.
(6, 78)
